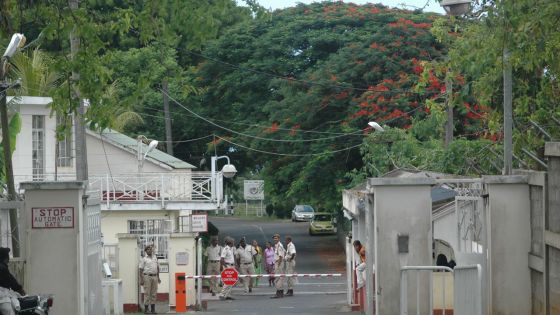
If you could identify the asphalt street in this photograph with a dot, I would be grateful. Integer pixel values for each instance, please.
(315, 254)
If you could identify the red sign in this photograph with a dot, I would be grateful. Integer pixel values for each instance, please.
(52, 218)
(230, 276)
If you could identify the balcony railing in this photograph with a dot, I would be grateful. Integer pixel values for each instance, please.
(146, 187)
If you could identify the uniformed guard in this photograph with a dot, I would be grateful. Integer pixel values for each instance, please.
(227, 260)
(245, 254)
(290, 264)
(213, 253)
(279, 254)
(149, 278)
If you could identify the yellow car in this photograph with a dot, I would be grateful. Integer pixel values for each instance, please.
(322, 223)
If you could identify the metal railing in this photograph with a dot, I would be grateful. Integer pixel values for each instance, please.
(467, 289)
(145, 187)
(404, 287)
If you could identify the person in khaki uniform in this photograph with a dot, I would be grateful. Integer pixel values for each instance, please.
(213, 253)
(279, 253)
(149, 278)
(290, 264)
(227, 260)
(245, 256)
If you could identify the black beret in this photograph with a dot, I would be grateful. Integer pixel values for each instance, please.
(4, 253)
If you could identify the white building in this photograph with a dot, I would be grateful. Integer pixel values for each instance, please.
(151, 202)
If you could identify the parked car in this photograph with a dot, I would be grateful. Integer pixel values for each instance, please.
(302, 213)
(322, 223)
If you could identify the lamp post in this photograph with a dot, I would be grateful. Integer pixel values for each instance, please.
(228, 171)
(460, 7)
(142, 155)
(17, 41)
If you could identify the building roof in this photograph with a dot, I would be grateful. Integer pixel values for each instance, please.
(129, 144)
(30, 100)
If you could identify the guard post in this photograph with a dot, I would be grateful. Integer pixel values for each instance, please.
(180, 292)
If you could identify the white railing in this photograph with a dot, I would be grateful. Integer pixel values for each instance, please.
(466, 287)
(146, 187)
(404, 286)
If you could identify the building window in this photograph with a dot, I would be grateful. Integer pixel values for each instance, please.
(152, 232)
(64, 146)
(38, 147)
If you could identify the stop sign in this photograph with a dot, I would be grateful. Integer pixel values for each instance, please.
(229, 276)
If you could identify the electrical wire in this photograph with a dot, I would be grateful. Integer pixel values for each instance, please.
(251, 136)
(288, 154)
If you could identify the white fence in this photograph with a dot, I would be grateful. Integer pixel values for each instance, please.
(467, 289)
(146, 187)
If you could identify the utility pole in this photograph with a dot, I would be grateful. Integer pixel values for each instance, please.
(449, 109)
(79, 126)
(167, 115)
(508, 113)
(17, 41)
(6, 145)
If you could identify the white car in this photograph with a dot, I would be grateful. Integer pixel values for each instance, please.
(303, 213)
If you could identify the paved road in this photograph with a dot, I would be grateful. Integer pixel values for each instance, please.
(317, 254)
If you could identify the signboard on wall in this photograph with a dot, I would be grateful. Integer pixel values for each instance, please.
(52, 218)
(182, 258)
(253, 189)
(199, 223)
(164, 268)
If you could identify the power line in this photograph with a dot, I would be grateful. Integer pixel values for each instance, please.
(251, 136)
(288, 154)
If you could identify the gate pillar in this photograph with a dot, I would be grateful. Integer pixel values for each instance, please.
(401, 235)
(56, 254)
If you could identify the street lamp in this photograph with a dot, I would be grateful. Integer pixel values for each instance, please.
(17, 41)
(460, 7)
(456, 7)
(228, 171)
(375, 126)
(142, 156)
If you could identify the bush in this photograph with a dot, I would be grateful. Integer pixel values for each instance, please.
(282, 210)
(269, 209)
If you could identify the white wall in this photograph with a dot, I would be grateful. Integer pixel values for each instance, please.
(22, 157)
(445, 228)
(115, 222)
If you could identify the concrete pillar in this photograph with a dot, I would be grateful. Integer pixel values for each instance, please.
(181, 245)
(402, 213)
(552, 228)
(509, 244)
(129, 259)
(55, 260)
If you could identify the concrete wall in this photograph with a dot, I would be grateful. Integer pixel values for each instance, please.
(401, 207)
(53, 255)
(509, 244)
(129, 258)
(182, 242)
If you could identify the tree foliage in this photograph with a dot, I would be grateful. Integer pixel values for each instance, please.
(291, 96)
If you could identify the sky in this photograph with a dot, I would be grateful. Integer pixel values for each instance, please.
(433, 6)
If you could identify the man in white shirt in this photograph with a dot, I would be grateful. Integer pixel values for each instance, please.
(213, 253)
(227, 260)
(149, 278)
(245, 255)
(279, 254)
(290, 264)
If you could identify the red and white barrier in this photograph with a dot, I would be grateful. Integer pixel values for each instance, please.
(280, 275)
